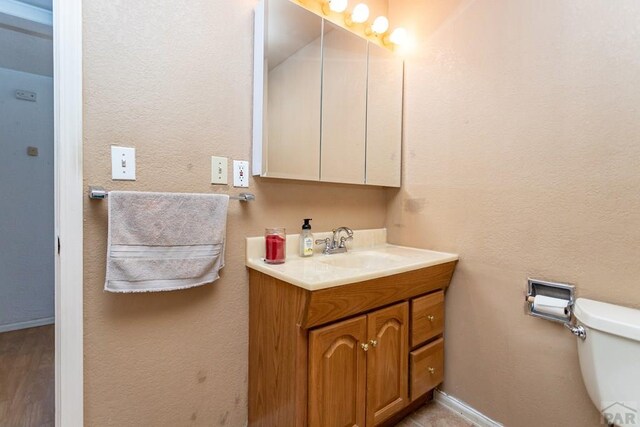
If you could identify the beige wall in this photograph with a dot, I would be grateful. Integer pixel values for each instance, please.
(521, 154)
(173, 79)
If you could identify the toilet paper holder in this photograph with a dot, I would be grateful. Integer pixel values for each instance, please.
(559, 291)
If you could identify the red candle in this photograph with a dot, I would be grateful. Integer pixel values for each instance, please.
(275, 241)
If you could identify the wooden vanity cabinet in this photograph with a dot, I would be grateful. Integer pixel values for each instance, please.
(358, 369)
(387, 364)
(342, 356)
(337, 374)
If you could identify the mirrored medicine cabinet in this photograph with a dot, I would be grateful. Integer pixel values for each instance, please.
(327, 103)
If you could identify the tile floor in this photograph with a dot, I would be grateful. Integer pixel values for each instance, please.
(434, 415)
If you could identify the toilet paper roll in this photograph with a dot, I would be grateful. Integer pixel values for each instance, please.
(553, 306)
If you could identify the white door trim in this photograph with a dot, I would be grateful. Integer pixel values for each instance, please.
(67, 53)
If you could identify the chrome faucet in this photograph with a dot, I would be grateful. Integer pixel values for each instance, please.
(335, 246)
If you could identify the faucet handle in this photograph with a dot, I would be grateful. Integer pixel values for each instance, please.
(327, 244)
(343, 241)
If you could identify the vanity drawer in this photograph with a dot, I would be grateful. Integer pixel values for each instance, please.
(427, 317)
(427, 368)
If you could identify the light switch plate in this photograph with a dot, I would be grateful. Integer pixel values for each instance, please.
(219, 170)
(240, 173)
(123, 163)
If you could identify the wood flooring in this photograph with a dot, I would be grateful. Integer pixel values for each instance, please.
(27, 378)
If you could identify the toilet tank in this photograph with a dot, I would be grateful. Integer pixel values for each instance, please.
(610, 359)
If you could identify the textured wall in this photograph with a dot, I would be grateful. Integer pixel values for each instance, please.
(26, 217)
(26, 52)
(173, 79)
(521, 154)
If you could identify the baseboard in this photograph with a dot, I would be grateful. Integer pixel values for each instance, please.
(464, 410)
(28, 324)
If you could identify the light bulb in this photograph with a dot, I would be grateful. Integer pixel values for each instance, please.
(380, 25)
(338, 5)
(399, 36)
(360, 13)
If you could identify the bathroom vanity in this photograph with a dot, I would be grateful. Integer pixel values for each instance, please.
(349, 339)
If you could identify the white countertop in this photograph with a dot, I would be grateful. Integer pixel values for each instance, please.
(368, 258)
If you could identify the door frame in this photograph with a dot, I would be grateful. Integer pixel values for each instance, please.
(67, 78)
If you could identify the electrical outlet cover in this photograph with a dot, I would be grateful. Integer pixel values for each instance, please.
(240, 173)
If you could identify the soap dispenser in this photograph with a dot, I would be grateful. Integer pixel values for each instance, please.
(306, 239)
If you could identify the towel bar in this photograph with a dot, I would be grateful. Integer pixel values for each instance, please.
(99, 193)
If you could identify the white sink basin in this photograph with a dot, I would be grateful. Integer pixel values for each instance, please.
(362, 260)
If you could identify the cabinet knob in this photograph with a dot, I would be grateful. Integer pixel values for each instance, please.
(431, 370)
(364, 346)
(373, 343)
(431, 318)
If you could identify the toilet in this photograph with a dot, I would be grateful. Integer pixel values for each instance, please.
(610, 359)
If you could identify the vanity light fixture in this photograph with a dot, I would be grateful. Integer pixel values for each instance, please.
(359, 15)
(337, 6)
(380, 26)
(399, 36)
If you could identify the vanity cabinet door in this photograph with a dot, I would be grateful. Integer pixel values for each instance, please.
(387, 364)
(337, 374)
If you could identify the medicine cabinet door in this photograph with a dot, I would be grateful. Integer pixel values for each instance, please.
(293, 63)
(344, 106)
(384, 117)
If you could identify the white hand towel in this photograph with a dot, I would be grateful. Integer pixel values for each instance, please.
(164, 241)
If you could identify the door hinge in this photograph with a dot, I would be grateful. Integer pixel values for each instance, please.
(58, 245)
